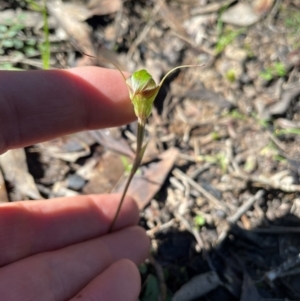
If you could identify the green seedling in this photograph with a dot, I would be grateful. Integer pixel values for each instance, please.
(215, 135)
(220, 23)
(10, 36)
(45, 46)
(230, 75)
(279, 158)
(223, 162)
(250, 164)
(291, 131)
(218, 159)
(226, 38)
(269, 150)
(292, 20)
(277, 69)
(199, 221)
(127, 166)
(235, 114)
(8, 66)
(262, 122)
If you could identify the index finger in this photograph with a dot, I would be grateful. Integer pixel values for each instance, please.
(40, 105)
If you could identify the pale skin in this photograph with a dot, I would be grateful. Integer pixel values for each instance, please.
(59, 250)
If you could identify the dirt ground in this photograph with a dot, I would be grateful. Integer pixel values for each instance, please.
(219, 184)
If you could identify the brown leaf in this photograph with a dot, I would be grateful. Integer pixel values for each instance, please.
(148, 180)
(261, 7)
(106, 174)
(104, 7)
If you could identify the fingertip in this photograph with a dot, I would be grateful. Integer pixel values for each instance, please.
(110, 88)
(136, 244)
(129, 213)
(53, 103)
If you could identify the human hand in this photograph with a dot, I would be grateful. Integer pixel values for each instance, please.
(59, 249)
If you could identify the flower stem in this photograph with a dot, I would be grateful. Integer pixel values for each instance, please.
(138, 158)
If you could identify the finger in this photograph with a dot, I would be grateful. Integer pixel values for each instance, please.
(27, 228)
(131, 247)
(119, 282)
(40, 105)
(128, 242)
(62, 273)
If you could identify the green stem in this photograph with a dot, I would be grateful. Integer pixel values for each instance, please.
(46, 43)
(137, 160)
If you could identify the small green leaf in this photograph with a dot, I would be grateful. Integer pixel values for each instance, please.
(6, 66)
(230, 75)
(7, 43)
(30, 51)
(226, 39)
(250, 164)
(31, 42)
(14, 30)
(18, 44)
(294, 131)
(126, 164)
(280, 69)
(199, 221)
(215, 135)
(3, 28)
(266, 75)
(152, 289)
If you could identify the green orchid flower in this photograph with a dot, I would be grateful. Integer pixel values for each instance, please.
(142, 92)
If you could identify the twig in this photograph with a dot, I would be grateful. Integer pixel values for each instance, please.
(145, 30)
(160, 228)
(271, 182)
(213, 201)
(268, 182)
(192, 230)
(245, 207)
(236, 216)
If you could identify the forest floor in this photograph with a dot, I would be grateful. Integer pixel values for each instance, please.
(219, 187)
